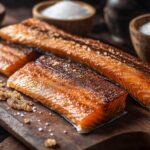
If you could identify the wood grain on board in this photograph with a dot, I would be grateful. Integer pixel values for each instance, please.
(11, 143)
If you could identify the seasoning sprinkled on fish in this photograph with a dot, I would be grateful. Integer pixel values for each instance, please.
(74, 91)
(130, 73)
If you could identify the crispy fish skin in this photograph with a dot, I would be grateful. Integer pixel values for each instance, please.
(129, 74)
(78, 94)
(13, 57)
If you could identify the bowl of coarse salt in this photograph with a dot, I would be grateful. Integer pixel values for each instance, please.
(140, 35)
(72, 16)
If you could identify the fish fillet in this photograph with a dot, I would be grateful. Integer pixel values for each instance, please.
(13, 57)
(77, 93)
(95, 44)
(132, 74)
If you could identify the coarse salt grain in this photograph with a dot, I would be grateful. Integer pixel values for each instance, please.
(46, 123)
(145, 28)
(49, 130)
(18, 113)
(65, 132)
(22, 115)
(40, 129)
(51, 134)
(34, 109)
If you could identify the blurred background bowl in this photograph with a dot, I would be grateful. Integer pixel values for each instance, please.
(80, 26)
(141, 41)
(2, 12)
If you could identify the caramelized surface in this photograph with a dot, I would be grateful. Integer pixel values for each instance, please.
(83, 97)
(94, 44)
(12, 57)
(130, 73)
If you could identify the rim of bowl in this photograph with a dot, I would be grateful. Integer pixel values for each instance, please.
(36, 11)
(136, 29)
(3, 8)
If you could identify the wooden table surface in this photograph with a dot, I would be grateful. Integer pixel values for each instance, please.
(18, 10)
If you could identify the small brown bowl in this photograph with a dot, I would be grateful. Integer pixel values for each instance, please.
(80, 26)
(141, 41)
(2, 12)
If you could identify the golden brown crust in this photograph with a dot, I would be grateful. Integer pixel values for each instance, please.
(94, 44)
(81, 76)
(69, 89)
(129, 74)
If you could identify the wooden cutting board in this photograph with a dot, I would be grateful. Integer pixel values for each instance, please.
(132, 128)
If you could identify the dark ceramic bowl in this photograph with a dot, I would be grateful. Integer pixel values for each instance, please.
(141, 41)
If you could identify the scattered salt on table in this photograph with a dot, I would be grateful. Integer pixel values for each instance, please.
(40, 129)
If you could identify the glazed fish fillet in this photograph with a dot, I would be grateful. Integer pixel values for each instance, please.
(132, 74)
(95, 44)
(78, 94)
(13, 56)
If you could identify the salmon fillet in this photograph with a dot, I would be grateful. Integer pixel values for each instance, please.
(95, 44)
(130, 73)
(13, 57)
(77, 93)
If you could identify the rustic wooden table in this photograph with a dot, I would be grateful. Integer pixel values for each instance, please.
(19, 10)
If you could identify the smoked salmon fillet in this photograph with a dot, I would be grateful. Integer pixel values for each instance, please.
(95, 44)
(130, 73)
(85, 98)
(13, 57)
